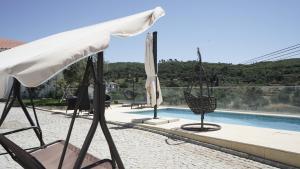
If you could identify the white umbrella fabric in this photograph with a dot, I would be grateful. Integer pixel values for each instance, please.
(6, 83)
(152, 78)
(36, 62)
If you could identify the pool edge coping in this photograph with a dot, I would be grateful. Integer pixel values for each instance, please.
(233, 147)
(242, 112)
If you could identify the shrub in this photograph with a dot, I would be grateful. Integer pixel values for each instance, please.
(296, 98)
(283, 97)
(253, 97)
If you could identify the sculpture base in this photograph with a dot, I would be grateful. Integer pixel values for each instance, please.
(198, 127)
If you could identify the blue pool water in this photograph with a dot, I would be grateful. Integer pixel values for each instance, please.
(267, 121)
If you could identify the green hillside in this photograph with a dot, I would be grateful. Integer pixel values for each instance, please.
(174, 73)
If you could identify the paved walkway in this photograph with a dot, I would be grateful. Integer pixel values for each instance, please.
(138, 149)
(272, 144)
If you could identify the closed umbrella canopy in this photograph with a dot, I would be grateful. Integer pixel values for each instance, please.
(36, 62)
(152, 78)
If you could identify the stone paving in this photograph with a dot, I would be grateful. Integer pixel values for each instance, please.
(138, 149)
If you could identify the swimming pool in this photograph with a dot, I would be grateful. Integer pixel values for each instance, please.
(266, 121)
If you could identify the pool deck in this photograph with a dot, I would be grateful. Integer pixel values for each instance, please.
(272, 144)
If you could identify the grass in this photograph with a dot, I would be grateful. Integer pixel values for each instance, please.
(45, 102)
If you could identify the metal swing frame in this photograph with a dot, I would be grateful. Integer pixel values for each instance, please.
(96, 73)
(15, 95)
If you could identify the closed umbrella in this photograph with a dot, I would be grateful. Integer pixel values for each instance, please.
(152, 83)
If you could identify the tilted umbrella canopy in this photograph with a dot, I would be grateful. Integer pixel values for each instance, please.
(36, 62)
(6, 83)
(151, 76)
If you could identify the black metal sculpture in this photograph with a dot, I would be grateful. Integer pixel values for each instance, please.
(201, 103)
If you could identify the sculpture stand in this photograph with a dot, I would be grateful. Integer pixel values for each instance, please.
(200, 104)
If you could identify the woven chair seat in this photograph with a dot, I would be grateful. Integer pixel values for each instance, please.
(199, 105)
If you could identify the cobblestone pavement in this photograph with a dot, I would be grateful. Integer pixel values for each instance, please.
(138, 149)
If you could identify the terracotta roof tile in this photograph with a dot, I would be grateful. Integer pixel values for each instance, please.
(7, 44)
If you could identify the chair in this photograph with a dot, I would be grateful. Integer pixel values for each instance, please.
(84, 105)
(131, 96)
(48, 156)
(200, 104)
(139, 104)
(107, 101)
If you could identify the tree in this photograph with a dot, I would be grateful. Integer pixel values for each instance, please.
(267, 73)
(296, 98)
(253, 98)
(73, 75)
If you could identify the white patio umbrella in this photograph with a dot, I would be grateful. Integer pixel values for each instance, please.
(36, 62)
(152, 80)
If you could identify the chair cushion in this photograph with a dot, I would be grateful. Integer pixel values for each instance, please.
(50, 157)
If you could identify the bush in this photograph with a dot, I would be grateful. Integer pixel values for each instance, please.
(296, 98)
(45, 102)
(226, 97)
(124, 85)
(253, 97)
(173, 96)
(283, 97)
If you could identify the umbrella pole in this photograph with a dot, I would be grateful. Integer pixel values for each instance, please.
(155, 68)
(133, 88)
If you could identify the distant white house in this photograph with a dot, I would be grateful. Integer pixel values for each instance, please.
(112, 86)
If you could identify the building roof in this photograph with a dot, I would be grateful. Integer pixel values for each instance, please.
(7, 43)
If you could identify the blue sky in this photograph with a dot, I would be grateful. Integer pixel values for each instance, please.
(228, 31)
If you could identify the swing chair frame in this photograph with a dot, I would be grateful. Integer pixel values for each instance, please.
(15, 95)
(23, 157)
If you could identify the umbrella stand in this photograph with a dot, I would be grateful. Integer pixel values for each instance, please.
(155, 68)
